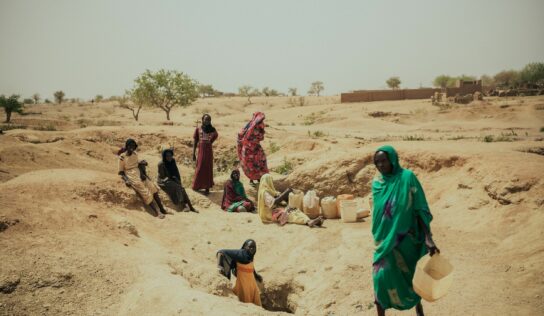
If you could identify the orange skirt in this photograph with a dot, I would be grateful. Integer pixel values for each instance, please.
(246, 286)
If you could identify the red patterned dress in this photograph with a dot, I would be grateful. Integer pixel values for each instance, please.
(204, 164)
(251, 154)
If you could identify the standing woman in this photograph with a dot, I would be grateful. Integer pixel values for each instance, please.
(204, 137)
(401, 230)
(240, 263)
(250, 152)
(169, 180)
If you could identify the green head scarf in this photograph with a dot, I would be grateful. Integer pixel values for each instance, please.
(398, 198)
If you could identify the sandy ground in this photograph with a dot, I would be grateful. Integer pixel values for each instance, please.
(75, 240)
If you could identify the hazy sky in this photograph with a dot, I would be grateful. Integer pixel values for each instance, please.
(99, 46)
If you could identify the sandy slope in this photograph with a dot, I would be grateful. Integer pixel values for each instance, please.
(75, 240)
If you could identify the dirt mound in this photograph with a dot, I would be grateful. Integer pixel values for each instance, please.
(352, 175)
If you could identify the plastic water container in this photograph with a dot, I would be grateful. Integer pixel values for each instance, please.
(295, 199)
(340, 198)
(348, 211)
(311, 204)
(433, 277)
(328, 207)
(361, 213)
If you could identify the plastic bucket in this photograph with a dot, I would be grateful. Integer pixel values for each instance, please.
(433, 277)
(348, 211)
(328, 207)
(295, 199)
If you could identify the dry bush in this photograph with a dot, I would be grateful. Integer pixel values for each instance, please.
(379, 114)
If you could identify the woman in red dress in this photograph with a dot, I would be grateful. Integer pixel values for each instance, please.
(250, 152)
(204, 137)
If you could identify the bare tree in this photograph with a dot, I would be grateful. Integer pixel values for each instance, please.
(59, 96)
(126, 103)
(393, 82)
(316, 88)
(293, 92)
(248, 91)
(36, 98)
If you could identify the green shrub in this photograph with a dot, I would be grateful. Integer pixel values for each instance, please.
(285, 168)
(274, 147)
(457, 137)
(501, 138)
(413, 138)
(7, 127)
(316, 134)
(310, 119)
(48, 127)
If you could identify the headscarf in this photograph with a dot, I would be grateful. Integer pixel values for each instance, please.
(207, 128)
(247, 131)
(232, 256)
(238, 186)
(233, 191)
(171, 166)
(266, 185)
(398, 198)
(124, 149)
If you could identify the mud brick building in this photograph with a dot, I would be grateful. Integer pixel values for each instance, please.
(461, 88)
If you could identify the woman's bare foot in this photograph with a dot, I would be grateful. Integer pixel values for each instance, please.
(318, 221)
(160, 215)
(321, 221)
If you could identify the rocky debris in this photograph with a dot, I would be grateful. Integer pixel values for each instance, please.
(9, 284)
(56, 280)
(6, 223)
(505, 194)
(129, 227)
(534, 150)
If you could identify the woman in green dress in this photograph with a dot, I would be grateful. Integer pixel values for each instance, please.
(401, 230)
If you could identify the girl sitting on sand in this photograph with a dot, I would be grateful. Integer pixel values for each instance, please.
(240, 263)
(169, 180)
(401, 230)
(131, 173)
(234, 195)
(269, 201)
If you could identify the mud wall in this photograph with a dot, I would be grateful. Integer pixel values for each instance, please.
(406, 94)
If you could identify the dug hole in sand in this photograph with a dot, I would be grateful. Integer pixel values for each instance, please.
(75, 240)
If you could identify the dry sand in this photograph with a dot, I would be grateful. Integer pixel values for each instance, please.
(75, 240)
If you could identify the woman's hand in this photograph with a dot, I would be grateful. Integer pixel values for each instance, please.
(194, 157)
(258, 277)
(431, 245)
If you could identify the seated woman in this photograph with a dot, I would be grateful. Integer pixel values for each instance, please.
(169, 180)
(240, 263)
(130, 171)
(234, 195)
(269, 201)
